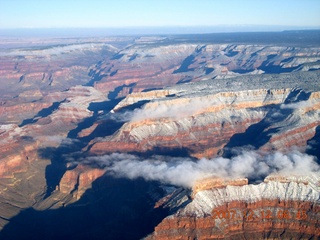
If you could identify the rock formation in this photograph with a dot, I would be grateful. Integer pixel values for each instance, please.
(273, 209)
(67, 104)
(206, 119)
(141, 67)
(25, 153)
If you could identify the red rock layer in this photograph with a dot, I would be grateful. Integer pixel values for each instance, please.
(205, 135)
(48, 68)
(14, 113)
(297, 137)
(209, 140)
(78, 180)
(16, 156)
(150, 68)
(143, 67)
(215, 182)
(266, 219)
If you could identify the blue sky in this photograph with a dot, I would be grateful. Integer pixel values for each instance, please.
(128, 13)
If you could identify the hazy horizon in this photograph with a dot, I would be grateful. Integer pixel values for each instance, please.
(131, 31)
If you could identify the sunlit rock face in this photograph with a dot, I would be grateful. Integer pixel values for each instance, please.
(149, 66)
(26, 151)
(33, 70)
(210, 117)
(42, 66)
(63, 106)
(272, 209)
(78, 180)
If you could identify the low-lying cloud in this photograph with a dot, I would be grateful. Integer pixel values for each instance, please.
(185, 108)
(184, 171)
(62, 140)
(164, 109)
(297, 105)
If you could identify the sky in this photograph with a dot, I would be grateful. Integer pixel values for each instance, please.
(160, 13)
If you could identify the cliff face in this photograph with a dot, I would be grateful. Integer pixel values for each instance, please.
(200, 131)
(207, 120)
(180, 99)
(29, 73)
(36, 116)
(32, 70)
(142, 67)
(78, 180)
(273, 209)
(26, 153)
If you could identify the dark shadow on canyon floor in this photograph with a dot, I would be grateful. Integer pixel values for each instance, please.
(57, 156)
(259, 134)
(96, 107)
(114, 94)
(314, 145)
(114, 208)
(45, 112)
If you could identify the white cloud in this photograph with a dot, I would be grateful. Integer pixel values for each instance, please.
(177, 110)
(184, 171)
(297, 105)
(63, 141)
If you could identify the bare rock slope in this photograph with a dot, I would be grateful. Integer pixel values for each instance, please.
(66, 108)
(209, 117)
(272, 209)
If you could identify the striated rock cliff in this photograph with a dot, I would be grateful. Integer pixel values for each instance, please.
(215, 182)
(78, 180)
(182, 98)
(274, 209)
(206, 119)
(26, 153)
(144, 66)
(30, 71)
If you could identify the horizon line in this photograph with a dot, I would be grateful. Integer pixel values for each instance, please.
(146, 30)
(162, 26)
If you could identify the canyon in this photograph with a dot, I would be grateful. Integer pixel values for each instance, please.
(232, 211)
(87, 124)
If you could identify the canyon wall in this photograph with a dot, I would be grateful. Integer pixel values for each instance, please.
(271, 210)
(64, 106)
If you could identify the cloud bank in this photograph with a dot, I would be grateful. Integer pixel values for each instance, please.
(184, 171)
(297, 105)
(166, 109)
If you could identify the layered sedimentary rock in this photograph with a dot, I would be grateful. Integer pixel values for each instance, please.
(205, 118)
(305, 119)
(194, 130)
(38, 67)
(26, 71)
(78, 180)
(223, 100)
(26, 76)
(17, 112)
(26, 151)
(22, 176)
(215, 182)
(273, 209)
(144, 66)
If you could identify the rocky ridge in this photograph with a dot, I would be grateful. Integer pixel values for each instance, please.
(273, 209)
(204, 117)
(259, 97)
(145, 66)
(25, 154)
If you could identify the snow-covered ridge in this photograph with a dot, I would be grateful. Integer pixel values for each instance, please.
(295, 189)
(306, 81)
